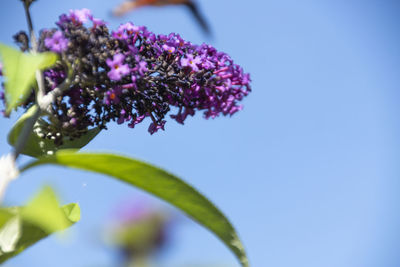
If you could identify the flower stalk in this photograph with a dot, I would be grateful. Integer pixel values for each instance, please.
(28, 127)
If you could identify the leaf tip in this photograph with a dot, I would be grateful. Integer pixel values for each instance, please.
(73, 212)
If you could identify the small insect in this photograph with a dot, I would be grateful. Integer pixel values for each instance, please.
(131, 5)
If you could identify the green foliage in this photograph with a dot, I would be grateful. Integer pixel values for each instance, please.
(157, 182)
(44, 211)
(37, 146)
(22, 227)
(19, 69)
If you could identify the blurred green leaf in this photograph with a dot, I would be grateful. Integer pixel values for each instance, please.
(24, 226)
(5, 215)
(44, 211)
(157, 182)
(37, 146)
(72, 211)
(10, 233)
(19, 69)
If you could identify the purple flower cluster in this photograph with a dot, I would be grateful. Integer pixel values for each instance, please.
(133, 74)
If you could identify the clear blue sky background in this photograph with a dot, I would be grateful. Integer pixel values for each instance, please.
(308, 172)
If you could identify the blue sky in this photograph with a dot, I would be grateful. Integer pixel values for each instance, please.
(307, 171)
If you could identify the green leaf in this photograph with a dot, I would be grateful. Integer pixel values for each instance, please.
(5, 215)
(72, 211)
(27, 225)
(37, 146)
(10, 233)
(19, 69)
(44, 212)
(157, 182)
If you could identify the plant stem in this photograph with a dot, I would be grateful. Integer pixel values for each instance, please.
(28, 127)
(43, 100)
(30, 27)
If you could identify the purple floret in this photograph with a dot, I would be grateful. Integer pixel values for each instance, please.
(80, 16)
(118, 69)
(191, 61)
(57, 42)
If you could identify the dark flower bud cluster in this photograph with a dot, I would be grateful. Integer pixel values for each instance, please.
(132, 74)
